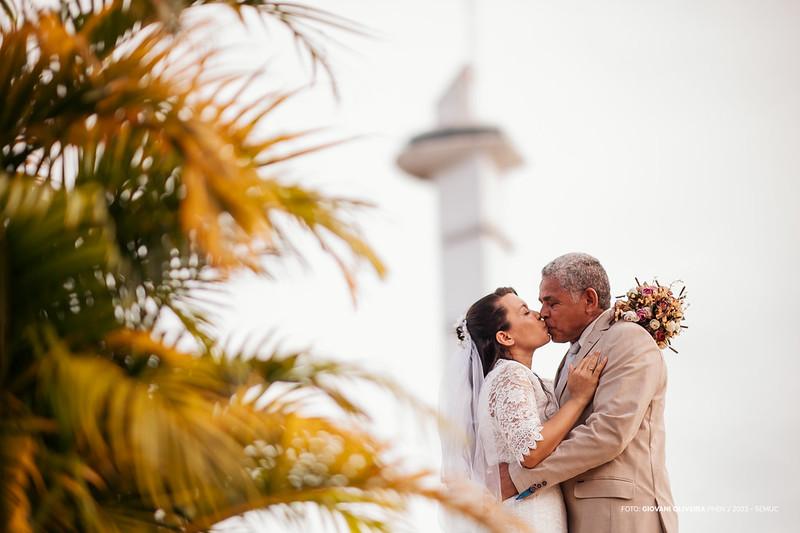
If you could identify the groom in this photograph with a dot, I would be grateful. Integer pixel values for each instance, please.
(611, 465)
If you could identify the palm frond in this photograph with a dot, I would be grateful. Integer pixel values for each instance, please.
(153, 422)
(70, 229)
(135, 174)
(329, 377)
(9, 9)
(170, 145)
(17, 466)
(115, 20)
(147, 417)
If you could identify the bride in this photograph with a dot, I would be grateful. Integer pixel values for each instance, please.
(508, 412)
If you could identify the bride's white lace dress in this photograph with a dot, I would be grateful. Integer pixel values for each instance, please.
(512, 408)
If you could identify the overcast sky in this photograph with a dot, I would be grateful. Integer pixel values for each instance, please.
(661, 137)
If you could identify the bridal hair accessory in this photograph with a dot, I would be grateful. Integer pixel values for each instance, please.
(655, 308)
(462, 333)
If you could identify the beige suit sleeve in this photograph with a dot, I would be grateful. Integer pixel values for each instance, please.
(627, 386)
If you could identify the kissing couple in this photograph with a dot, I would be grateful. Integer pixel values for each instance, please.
(583, 453)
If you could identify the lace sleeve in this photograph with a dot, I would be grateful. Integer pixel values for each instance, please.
(513, 405)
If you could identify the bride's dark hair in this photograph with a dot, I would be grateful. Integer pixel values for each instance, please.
(484, 319)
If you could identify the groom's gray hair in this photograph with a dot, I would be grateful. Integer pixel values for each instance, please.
(577, 272)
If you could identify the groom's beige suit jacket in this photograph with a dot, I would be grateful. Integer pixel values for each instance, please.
(611, 465)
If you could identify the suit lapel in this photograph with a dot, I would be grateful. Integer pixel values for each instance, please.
(600, 327)
(558, 388)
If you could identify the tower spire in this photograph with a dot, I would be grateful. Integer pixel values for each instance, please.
(470, 31)
(465, 157)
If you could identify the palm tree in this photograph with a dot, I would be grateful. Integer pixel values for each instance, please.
(129, 189)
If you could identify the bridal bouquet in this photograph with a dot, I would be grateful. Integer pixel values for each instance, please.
(655, 308)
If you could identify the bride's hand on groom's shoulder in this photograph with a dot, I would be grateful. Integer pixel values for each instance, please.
(583, 379)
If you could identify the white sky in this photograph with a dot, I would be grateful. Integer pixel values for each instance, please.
(661, 137)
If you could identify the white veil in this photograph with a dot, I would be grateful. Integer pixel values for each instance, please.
(464, 456)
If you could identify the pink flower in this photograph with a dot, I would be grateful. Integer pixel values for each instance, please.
(644, 313)
(648, 291)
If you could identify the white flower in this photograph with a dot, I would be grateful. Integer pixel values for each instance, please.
(311, 480)
(354, 465)
(671, 326)
(338, 480)
(630, 316)
(357, 461)
(655, 324)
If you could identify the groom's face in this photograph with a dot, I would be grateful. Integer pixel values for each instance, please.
(564, 315)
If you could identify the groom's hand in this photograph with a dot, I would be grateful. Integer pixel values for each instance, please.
(507, 488)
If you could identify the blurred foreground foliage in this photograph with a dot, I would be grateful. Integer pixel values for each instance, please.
(133, 180)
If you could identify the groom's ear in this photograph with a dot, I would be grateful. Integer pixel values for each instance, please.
(504, 338)
(591, 298)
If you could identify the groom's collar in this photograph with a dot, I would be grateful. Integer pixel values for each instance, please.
(601, 323)
(587, 340)
(592, 334)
